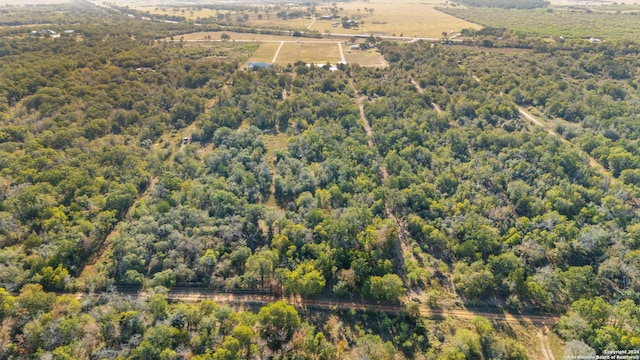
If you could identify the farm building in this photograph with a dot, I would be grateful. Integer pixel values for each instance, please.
(259, 65)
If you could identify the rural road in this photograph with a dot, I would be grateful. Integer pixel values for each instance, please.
(342, 58)
(311, 24)
(196, 294)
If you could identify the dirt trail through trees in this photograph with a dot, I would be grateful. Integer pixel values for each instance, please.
(405, 252)
(421, 91)
(235, 298)
(593, 163)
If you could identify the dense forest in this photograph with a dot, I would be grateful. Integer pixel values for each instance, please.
(442, 195)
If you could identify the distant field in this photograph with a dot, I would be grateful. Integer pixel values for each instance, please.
(558, 21)
(381, 17)
(399, 19)
(32, 2)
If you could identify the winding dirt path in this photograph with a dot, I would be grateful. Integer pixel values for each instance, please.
(403, 234)
(593, 163)
(421, 91)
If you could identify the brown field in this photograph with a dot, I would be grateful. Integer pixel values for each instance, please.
(410, 18)
(317, 51)
(407, 18)
(368, 58)
(265, 52)
(309, 53)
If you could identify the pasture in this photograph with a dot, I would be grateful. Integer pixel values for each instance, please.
(367, 58)
(265, 52)
(409, 18)
(314, 51)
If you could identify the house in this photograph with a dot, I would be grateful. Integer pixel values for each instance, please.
(259, 65)
(355, 47)
(326, 17)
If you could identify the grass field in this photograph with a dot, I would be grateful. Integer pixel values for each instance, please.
(317, 51)
(369, 58)
(265, 52)
(382, 17)
(309, 53)
(406, 18)
(221, 51)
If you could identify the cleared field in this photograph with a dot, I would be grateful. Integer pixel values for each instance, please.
(220, 51)
(309, 53)
(265, 52)
(317, 51)
(405, 18)
(368, 58)
(381, 17)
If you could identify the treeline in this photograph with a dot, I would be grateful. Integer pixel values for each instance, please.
(507, 4)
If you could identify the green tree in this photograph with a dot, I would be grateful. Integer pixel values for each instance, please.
(7, 303)
(158, 306)
(33, 299)
(278, 322)
(386, 288)
(304, 280)
(261, 265)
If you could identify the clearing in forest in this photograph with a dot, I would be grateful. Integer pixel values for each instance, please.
(265, 52)
(314, 53)
(367, 58)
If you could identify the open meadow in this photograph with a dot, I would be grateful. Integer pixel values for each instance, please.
(410, 18)
(291, 49)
